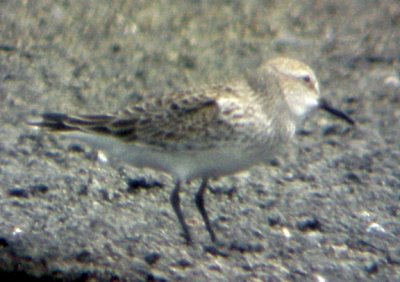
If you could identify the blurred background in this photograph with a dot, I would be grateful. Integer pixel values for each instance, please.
(329, 212)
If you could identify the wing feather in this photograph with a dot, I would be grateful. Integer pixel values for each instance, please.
(181, 119)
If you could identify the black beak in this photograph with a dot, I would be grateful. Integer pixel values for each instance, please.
(324, 105)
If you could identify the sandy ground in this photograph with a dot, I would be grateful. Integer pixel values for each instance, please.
(328, 212)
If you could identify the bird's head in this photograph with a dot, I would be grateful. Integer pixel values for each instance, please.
(300, 87)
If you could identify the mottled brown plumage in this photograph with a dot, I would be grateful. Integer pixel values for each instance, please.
(208, 132)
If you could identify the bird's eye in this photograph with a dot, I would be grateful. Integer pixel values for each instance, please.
(306, 78)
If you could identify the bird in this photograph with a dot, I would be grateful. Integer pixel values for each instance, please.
(208, 132)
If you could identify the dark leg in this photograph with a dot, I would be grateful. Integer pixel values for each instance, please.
(199, 199)
(176, 204)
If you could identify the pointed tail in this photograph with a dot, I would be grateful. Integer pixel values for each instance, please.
(57, 122)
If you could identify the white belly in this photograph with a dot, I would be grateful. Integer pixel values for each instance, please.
(184, 165)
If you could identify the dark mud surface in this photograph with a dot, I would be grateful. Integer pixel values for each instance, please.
(328, 212)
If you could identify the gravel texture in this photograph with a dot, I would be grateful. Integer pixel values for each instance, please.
(328, 211)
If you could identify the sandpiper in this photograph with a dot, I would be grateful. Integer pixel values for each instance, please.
(205, 133)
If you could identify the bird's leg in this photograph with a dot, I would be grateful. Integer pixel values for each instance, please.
(176, 204)
(199, 199)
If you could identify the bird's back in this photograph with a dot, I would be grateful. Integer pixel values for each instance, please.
(213, 131)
